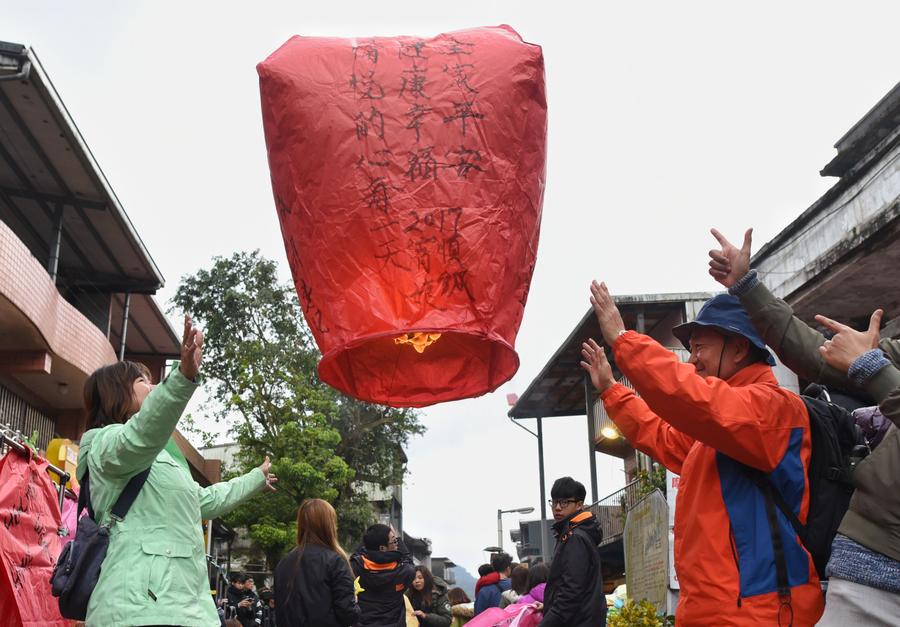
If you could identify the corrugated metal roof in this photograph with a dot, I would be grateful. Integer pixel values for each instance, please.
(559, 389)
(47, 172)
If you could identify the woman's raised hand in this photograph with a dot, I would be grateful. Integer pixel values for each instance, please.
(271, 479)
(191, 349)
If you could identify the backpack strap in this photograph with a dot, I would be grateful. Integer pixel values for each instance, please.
(773, 499)
(798, 526)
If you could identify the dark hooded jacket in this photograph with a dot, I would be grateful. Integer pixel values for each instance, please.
(873, 519)
(314, 588)
(574, 593)
(245, 615)
(383, 576)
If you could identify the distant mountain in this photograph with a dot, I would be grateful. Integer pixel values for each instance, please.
(465, 581)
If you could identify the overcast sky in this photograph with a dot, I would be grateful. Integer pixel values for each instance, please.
(665, 118)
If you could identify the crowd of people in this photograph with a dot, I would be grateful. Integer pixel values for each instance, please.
(379, 585)
(743, 446)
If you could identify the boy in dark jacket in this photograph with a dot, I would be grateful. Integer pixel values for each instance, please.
(249, 608)
(233, 594)
(385, 570)
(574, 593)
(241, 600)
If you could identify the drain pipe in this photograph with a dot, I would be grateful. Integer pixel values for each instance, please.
(125, 312)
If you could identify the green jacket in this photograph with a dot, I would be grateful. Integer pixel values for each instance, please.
(155, 570)
(873, 519)
(438, 614)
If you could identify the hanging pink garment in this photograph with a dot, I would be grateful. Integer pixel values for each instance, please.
(29, 543)
(69, 518)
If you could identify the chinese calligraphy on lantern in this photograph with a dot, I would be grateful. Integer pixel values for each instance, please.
(436, 84)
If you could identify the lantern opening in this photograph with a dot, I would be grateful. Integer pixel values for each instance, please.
(378, 369)
(419, 341)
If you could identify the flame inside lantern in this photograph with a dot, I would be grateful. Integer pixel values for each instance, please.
(419, 341)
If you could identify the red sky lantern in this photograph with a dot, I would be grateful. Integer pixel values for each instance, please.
(408, 177)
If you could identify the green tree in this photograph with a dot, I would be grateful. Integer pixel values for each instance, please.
(260, 362)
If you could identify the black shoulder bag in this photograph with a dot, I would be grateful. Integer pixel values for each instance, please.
(78, 567)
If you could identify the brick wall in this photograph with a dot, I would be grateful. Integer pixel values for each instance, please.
(68, 334)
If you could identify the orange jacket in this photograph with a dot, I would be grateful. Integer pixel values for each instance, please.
(701, 428)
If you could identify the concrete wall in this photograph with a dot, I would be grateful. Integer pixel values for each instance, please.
(838, 224)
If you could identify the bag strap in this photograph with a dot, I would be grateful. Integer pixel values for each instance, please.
(123, 503)
(773, 499)
(84, 496)
(777, 544)
(762, 482)
(129, 494)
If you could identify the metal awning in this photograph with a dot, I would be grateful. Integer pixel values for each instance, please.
(47, 172)
(558, 390)
(52, 189)
(562, 387)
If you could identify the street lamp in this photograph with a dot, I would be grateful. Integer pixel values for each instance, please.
(609, 432)
(500, 512)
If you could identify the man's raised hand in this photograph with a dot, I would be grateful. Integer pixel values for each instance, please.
(607, 313)
(730, 263)
(597, 365)
(848, 344)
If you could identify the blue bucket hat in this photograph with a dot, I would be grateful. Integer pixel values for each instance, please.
(723, 313)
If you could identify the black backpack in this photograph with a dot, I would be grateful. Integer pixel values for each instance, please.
(837, 447)
(78, 567)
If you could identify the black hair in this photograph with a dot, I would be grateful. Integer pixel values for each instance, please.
(485, 569)
(519, 579)
(568, 488)
(236, 576)
(538, 574)
(500, 562)
(377, 535)
(422, 598)
(109, 392)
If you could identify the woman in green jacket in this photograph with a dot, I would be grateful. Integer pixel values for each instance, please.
(155, 571)
(428, 596)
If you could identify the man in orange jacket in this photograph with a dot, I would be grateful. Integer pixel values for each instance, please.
(712, 421)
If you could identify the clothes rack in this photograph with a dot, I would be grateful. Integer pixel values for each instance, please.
(15, 440)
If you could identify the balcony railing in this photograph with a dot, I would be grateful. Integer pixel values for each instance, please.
(611, 510)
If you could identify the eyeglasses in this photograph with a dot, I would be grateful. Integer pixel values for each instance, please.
(561, 502)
